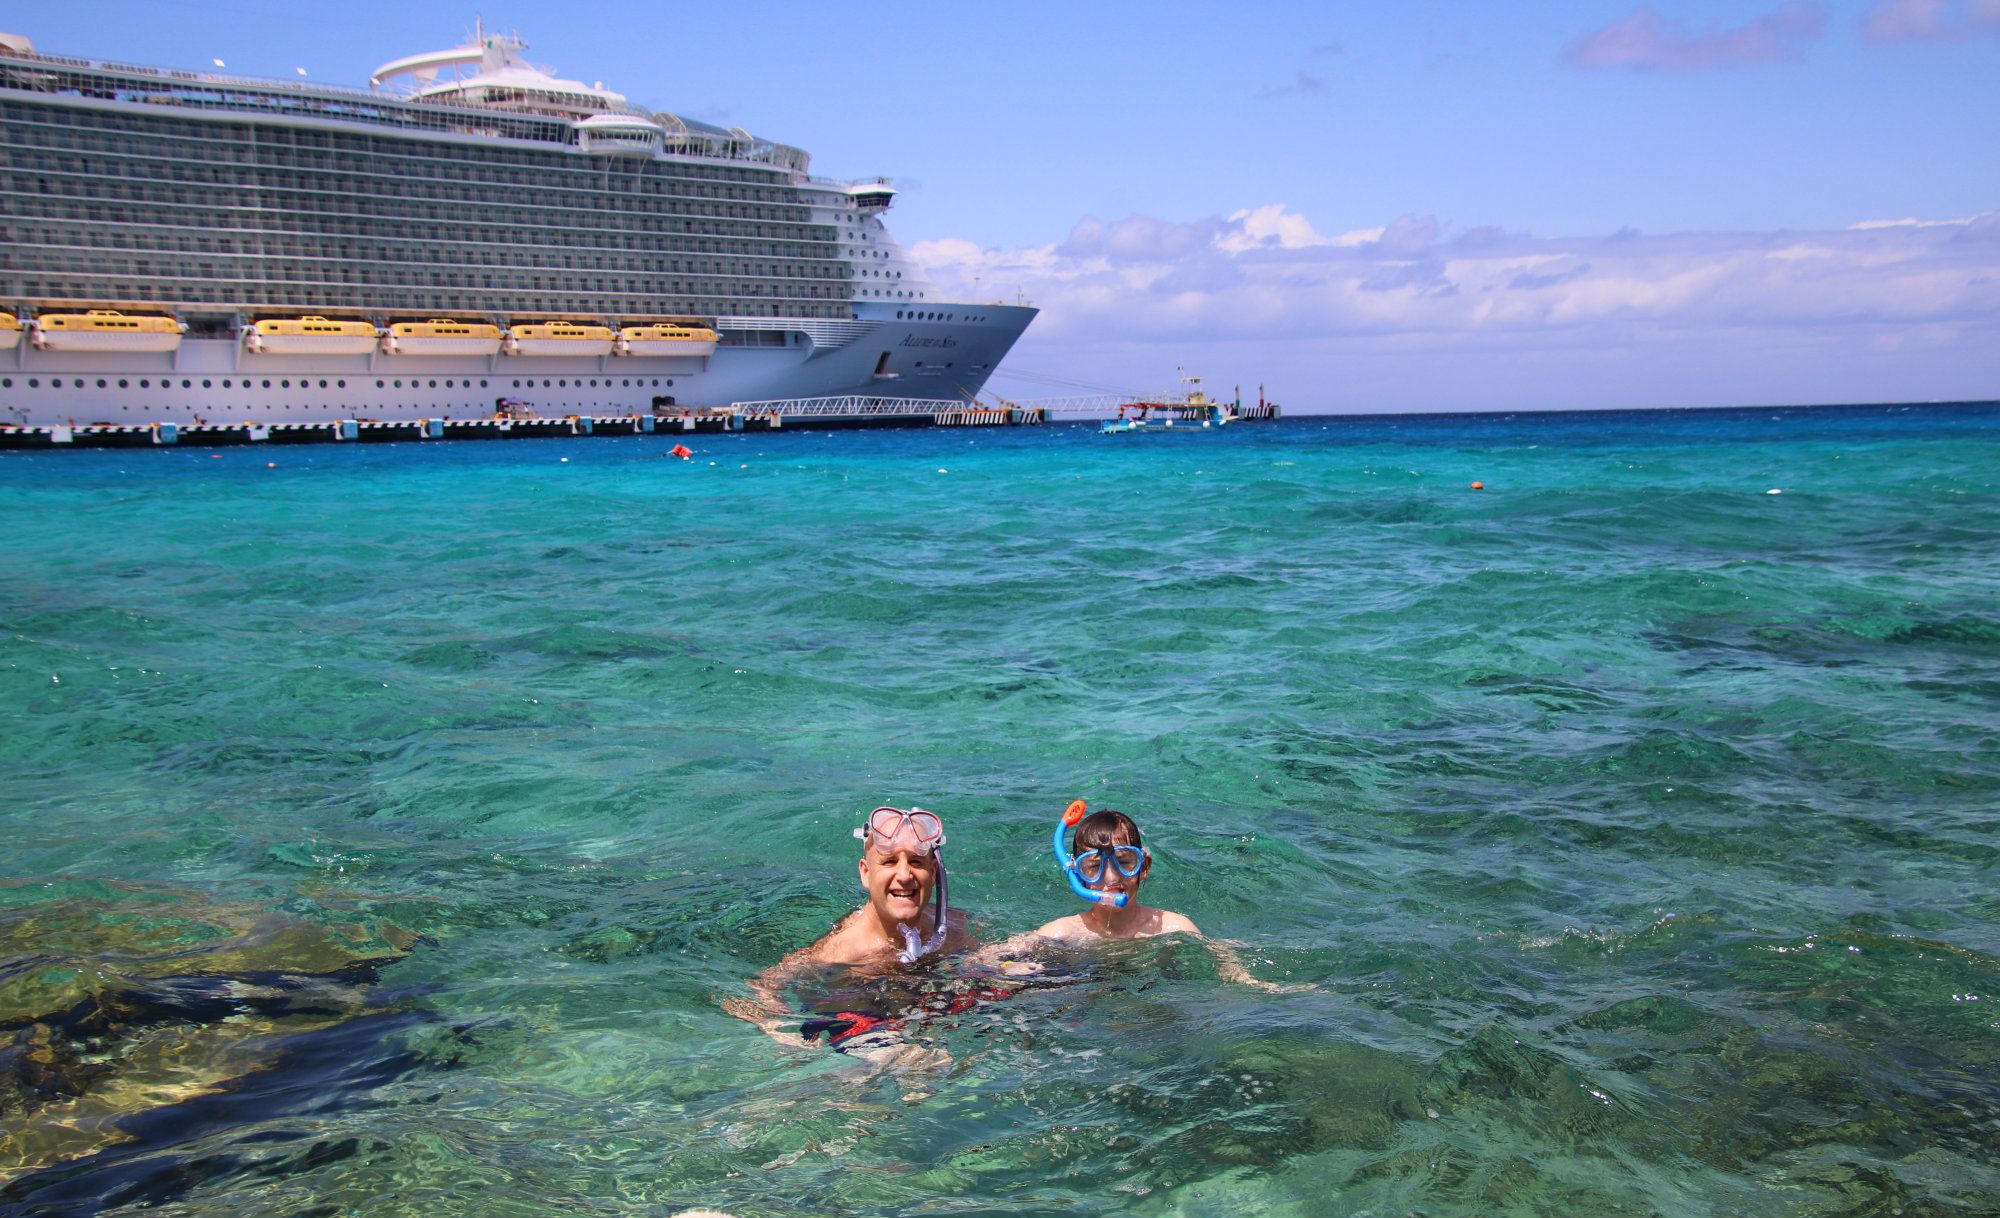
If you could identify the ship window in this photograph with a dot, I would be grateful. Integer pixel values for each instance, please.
(322, 384)
(190, 384)
(100, 384)
(281, 384)
(434, 384)
(143, 383)
(340, 384)
(399, 384)
(378, 384)
(482, 384)
(34, 382)
(267, 384)
(6, 382)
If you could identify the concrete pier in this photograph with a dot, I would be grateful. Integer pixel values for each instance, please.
(517, 420)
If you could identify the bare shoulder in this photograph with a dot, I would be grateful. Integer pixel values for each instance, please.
(841, 945)
(1172, 923)
(1064, 928)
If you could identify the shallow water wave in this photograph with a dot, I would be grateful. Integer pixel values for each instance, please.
(1633, 827)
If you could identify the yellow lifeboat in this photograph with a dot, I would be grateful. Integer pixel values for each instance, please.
(666, 338)
(106, 330)
(310, 336)
(442, 336)
(559, 338)
(10, 331)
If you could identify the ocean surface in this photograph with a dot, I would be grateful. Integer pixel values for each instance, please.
(385, 825)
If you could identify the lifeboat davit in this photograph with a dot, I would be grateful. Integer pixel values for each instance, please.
(559, 338)
(442, 336)
(106, 330)
(10, 331)
(311, 335)
(666, 339)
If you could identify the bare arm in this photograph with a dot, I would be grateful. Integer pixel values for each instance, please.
(764, 1006)
(1229, 966)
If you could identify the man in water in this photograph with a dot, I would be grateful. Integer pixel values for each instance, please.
(906, 916)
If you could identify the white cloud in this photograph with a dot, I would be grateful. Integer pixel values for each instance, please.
(1141, 293)
(1267, 227)
(1931, 20)
(1911, 222)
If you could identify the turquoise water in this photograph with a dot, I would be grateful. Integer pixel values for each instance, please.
(1634, 828)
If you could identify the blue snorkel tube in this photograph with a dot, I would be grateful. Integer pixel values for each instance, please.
(1067, 861)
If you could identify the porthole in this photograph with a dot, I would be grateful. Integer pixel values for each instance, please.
(144, 383)
(190, 384)
(434, 384)
(379, 385)
(283, 385)
(6, 382)
(34, 382)
(399, 384)
(337, 384)
(517, 384)
(100, 384)
(122, 384)
(482, 384)
(322, 384)
(225, 384)
(267, 384)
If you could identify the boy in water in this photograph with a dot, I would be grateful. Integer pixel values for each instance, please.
(1111, 859)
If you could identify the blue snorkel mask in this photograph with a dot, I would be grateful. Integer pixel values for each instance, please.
(1097, 861)
(885, 825)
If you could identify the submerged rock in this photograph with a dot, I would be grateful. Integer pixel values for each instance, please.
(122, 1001)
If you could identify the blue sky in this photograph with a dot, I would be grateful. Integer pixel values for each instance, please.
(1444, 206)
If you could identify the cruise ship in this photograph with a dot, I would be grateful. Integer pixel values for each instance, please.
(189, 247)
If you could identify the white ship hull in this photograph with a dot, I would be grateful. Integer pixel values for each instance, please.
(216, 380)
(311, 344)
(666, 348)
(82, 341)
(9, 339)
(441, 346)
(559, 347)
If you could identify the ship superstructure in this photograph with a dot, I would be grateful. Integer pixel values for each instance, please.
(177, 244)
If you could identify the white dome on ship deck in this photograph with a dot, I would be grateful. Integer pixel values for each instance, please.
(16, 44)
(494, 64)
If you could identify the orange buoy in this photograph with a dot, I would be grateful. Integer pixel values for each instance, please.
(680, 450)
(1479, 486)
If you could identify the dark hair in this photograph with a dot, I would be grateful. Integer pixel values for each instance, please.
(1107, 828)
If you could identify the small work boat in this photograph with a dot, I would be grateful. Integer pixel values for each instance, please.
(310, 335)
(666, 338)
(106, 330)
(1193, 411)
(442, 336)
(559, 338)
